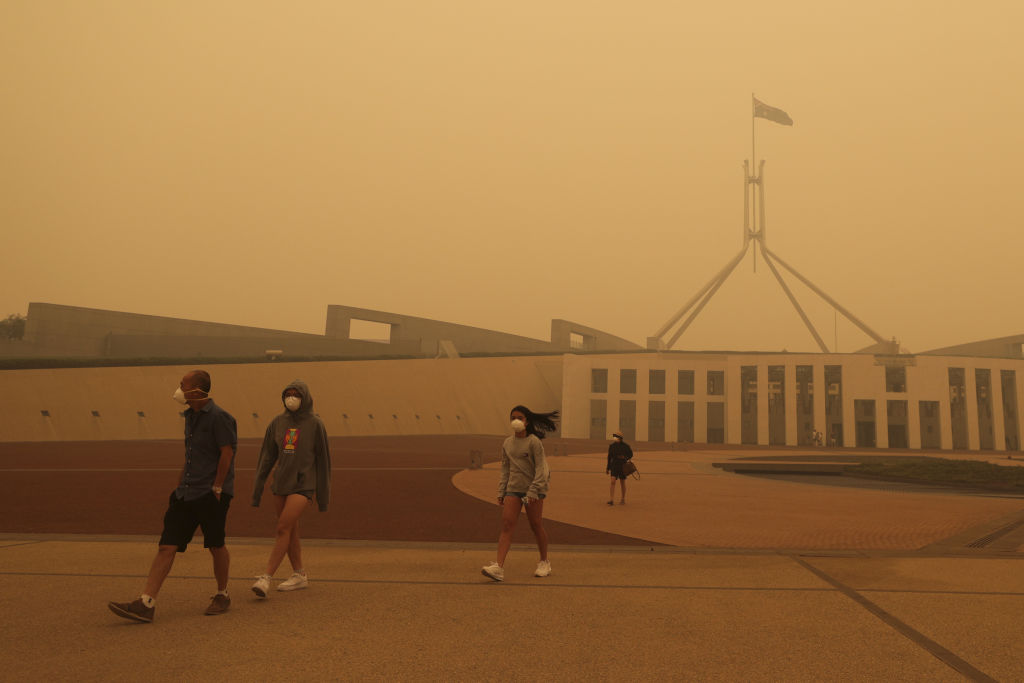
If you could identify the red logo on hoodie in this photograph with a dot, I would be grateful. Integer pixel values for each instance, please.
(291, 437)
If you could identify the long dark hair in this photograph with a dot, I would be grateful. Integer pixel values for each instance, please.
(538, 424)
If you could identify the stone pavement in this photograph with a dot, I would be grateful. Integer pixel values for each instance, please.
(761, 580)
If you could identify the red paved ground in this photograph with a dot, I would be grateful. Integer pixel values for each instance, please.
(69, 487)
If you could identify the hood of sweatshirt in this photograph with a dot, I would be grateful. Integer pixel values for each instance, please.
(306, 406)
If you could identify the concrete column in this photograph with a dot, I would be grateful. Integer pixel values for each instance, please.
(998, 423)
(762, 404)
(820, 392)
(882, 422)
(971, 401)
(733, 394)
(849, 417)
(914, 420)
(700, 417)
(945, 421)
(789, 395)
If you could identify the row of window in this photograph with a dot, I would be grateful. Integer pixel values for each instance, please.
(895, 380)
(656, 381)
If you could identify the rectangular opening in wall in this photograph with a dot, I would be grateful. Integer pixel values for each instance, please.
(685, 381)
(369, 330)
(1011, 430)
(627, 419)
(864, 416)
(896, 379)
(805, 406)
(627, 381)
(930, 422)
(983, 394)
(958, 407)
(716, 422)
(896, 412)
(599, 419)
(777, 405)
(716, 382)
(834, 405)
(684, 421)
(599, 380)
(575, 340)
(656, 381)
(656, 421)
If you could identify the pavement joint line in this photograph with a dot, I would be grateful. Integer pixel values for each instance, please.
(961, 666)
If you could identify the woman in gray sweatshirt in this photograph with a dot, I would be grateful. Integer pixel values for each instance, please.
(524, 481)
(296, 441)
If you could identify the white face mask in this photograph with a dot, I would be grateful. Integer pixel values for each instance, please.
(292, 403)
(179, 396)
(518, 425)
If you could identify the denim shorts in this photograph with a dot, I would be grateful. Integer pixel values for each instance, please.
(542, 496)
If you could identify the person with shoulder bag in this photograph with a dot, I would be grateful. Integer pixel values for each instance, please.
(619, 457)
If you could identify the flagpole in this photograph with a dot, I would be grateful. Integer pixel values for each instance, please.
(753, 166)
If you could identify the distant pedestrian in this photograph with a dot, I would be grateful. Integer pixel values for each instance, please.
(619, 453)
(524, 481)
(296, 442)
(201, 499)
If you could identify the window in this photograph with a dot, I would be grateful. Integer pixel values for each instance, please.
(599, 380)
(627, 381)
(896, 379)
(716, 382)
(656, 382)
(686, 382)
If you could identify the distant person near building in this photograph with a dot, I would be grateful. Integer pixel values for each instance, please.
(296, 442)
(524, 481)
(201, 498)
(619, 453)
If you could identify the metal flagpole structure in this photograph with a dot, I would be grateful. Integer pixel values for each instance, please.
(754, 230)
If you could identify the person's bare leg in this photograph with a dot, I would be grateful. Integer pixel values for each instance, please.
(611, 491)
(293, 506)
(221, 566)
(294, 545)
(509, 517)
(159, 569)
(622, 483)
(535, 514)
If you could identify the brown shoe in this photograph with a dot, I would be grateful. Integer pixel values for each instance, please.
(134, 610)
(218, 605)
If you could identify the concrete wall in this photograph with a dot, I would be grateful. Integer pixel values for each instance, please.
(427, 333)
(420, 396)
(590, 339)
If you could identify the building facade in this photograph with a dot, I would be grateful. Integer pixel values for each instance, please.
(854, 400)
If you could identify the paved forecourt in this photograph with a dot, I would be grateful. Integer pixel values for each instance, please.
(727, 577)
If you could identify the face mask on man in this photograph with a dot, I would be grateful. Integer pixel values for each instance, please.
(179, 396)
(518, 425)
(292, 403)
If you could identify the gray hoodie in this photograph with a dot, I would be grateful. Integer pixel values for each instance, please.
(297, 443)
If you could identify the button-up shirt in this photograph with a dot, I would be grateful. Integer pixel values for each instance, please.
(206, 430)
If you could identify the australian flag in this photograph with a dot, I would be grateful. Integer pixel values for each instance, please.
(762, 110)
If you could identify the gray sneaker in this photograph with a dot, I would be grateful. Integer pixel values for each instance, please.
(134, 610)
(262, 585)
(219, 604)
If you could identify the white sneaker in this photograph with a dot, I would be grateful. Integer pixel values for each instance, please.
(294, 582)
(262, 585)
(543, 568)
(494, 571)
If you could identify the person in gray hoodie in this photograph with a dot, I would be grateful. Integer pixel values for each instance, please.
(296, 442)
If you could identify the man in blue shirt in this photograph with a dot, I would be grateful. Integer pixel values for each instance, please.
(201, 499)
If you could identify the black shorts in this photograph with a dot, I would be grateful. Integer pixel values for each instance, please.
(182, 518)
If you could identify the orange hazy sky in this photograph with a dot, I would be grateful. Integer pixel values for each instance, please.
(502, 164)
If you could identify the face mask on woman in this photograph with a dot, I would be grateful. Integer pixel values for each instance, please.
(518, 425)
(292, 403)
